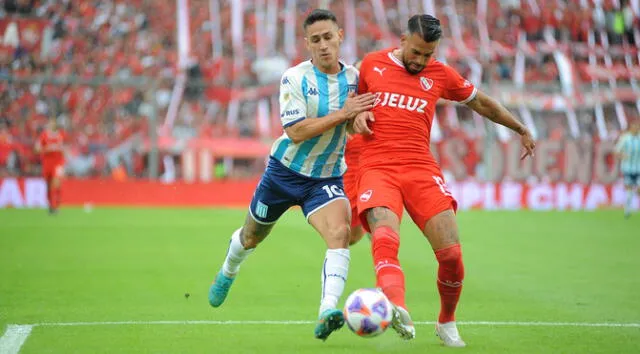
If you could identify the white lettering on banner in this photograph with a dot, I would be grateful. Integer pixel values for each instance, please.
(596, 197)
(470, 196)
(35, 193)
(569, 196)
(540, 197)
(619, 195)
(511, 196)
(490, 202)
(10, 195)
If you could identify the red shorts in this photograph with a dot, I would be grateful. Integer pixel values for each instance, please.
(420, 189)
(52, 169)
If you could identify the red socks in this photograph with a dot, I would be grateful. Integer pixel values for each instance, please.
(450, 276)
(389, 275)
(56, 197)
(53, 195)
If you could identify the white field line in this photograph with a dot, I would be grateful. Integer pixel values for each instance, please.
(462, 323)
(16, 335)
(13, 338)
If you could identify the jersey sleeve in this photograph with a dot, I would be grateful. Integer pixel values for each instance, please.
(293, 106)
(458, 88)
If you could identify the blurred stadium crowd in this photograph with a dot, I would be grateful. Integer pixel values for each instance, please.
(104, 68)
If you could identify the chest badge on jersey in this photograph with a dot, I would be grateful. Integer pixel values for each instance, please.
(426, 83)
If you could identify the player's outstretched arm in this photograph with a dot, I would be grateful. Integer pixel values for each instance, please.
(311, 127)
(494, 111)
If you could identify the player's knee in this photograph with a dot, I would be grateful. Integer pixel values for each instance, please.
(451, 255)
(253, 233)
(382, 217)
(337, 236)
(249, 239)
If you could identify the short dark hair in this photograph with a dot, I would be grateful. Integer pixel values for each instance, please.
(319, 15)
(426, 26)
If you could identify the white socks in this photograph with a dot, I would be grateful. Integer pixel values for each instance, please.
(235, 255)
(334, 276)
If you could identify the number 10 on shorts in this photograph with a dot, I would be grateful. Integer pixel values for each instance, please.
(333, 191)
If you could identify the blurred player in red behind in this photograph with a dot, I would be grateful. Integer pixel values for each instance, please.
(350, 180)
(397, 169)
(50, 145)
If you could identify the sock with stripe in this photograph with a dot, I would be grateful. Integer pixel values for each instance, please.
(450, 276)
(334, 277)
(389, 275)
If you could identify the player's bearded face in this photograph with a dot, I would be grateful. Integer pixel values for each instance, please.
(323, 41)
(416, 53)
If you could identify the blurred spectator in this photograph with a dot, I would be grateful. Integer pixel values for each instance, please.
(229, 95)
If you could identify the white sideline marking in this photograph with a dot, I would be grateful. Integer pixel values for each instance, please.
(462, 323)
(16, 335)
(13, 338)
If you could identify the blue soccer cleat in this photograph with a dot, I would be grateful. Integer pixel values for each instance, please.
(219, 289)
(329, 321)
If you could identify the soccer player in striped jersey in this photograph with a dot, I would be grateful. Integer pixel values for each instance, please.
(628, 152)
(317, 101)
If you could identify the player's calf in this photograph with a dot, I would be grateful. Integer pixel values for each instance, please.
(450, 277)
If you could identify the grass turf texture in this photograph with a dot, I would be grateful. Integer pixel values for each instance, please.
(137, 264)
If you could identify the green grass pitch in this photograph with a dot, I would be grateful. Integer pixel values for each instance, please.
(136, 265)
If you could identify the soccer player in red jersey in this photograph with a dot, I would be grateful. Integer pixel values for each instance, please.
(50, 145)
(397, 168)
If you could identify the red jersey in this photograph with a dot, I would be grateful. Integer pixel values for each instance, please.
(51, 144)
(405, 106)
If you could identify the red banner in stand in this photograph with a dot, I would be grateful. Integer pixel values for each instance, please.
(470, 194)
(31, 193)
(23, 32)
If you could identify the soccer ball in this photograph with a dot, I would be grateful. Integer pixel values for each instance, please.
(368, 312)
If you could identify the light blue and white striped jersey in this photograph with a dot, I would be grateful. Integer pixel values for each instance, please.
(629, 145)
(308, 93)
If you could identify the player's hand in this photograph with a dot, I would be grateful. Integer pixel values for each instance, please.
(356, 104)
(361, 123)
(529, 144)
